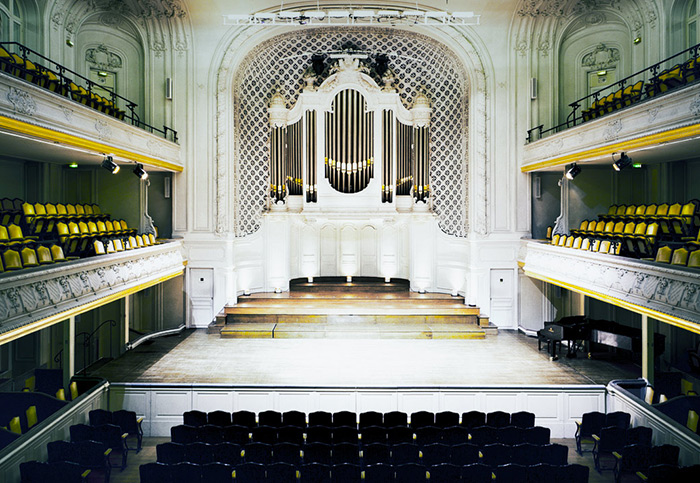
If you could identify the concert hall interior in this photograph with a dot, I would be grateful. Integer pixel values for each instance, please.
(444, 206)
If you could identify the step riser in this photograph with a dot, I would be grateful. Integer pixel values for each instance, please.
(359, 319)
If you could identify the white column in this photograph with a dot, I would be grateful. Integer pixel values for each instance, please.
(126, 307)
(647, 349)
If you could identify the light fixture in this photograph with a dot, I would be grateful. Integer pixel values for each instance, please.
(636, 165)
(621, 163)
(140, 172)
(602, 73)
(574, 171)
(69, 43)
(637, 40)
(110, 165)
(102, 73)
(73, 164)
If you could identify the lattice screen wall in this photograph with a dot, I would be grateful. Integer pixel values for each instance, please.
(419, 63)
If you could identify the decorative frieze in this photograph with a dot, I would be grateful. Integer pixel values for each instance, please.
(647, 285)
(32, 295)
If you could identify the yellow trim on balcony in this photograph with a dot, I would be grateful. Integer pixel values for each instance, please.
(640, 309)
(608, 149)
(78, 142)
(19, 332)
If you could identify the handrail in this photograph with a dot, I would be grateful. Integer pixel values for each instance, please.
(60, 71)
(87, 340)
(652, 79)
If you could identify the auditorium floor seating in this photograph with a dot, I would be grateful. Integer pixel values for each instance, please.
(199, 358)
(148, 454)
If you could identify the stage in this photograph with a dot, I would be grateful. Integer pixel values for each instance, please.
(508, 359)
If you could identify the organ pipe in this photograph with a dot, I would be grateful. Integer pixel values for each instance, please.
(311, 193)
(387, 155)
(404, 159)
(349, 143)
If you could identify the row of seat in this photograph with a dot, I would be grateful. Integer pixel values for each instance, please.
(372, 434)
(44, 77)
(639, 457)
(128, 421)
(428, 455)
(668, 79)
(64, 472)
(110, 435)
(443, 419)
(665, 473)
(88, 454)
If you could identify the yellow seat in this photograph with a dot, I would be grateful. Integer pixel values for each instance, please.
(586, 244)
(16, 235)
(73, 391)
(109, 247)
(692, 423)
(99, 247)
(548, 236)
(694, 259)
(32, 418)
(604, 246)
(555, 240)
(680, 257)
(663, 255)
(562, 240)
(57, 254)
(11, 259)
(29, 383)
(15, 425)
(139, 241)
(61, 394)
(43, 254)
(118, 245)
(152, 238)
(4, 236)
(577, 243)
(29, 258)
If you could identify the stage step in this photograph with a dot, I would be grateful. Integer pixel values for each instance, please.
(352, 330)
(341, 285)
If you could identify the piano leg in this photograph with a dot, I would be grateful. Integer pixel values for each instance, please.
(553, 354)
(571, 350)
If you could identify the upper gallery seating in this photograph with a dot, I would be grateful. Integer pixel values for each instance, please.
(655, 80)
(664, 233)
(22, 62)
(39, 234)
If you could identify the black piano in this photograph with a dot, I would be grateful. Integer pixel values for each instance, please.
(578, 329)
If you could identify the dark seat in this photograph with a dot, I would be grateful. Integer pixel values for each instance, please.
(111, 436)
(496, 454)
(264, 434)
(81, 432)
(287, 453)
(315, 472)
(639, 435)
(445, 472)
(257, 453)
(344, 418)
(320, 418)
(215, 472)
(250, 472)
(199, 453)
(210, 433)
(554, 454)
(282, 472)
(665, 454)
(129, 424)
(445, 419)
(421, 419)
(473, 419)
(410, 472)
(371, 418)
(186, 473)
(537, 435)
(618, 419)
(498, 419)
(590, 424)
(661, 474)
(317, 453)
(511, 435)
(542, 473)
(427, 435)
(483, 435)
(435, 454)
(183, 433)
(270, 418)
(219, 418)
(194, 418)
(159, 472)
(476, 473)
(522, 419)
(170, 453)
(345, 453)
(395, 418)
(319, 434)
(346, 473)
(345, 434)
(573, 473)
(399, 434)
(610, 439)
(404, 453)
(94, 456)
(525, 454)
(378, 473)
(100, 416)
(375, 453)
(243, 418)
(290, 434)
(631, 459)
(227, 453)
(455, 435)
(511, 473)
(294, 418)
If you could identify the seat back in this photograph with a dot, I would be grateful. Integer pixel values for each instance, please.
(29, 257)
(663, 255)
(694, 259)
(680, 257)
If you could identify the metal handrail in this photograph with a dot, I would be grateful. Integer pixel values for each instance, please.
(87, 340)
(649, 75)
(61, 72)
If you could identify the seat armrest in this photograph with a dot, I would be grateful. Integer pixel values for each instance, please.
(617, 455)
(108, 451)
(596, 437)
(642, 476)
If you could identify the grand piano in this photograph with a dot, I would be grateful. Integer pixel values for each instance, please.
(578, 330)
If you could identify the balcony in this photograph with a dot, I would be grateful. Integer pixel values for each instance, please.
(666, 293)
(33, 299)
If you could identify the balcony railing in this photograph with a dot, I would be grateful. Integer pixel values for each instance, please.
(44, 72)
(656, 79)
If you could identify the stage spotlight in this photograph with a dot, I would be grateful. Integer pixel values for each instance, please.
(573, 172)
(140, 172)
(621, 163)
(110, 165)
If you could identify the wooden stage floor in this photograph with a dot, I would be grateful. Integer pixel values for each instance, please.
(508, 359)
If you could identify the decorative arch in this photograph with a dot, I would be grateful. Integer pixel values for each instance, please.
(240, 205)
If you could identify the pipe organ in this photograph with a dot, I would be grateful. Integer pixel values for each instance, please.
(349, 143)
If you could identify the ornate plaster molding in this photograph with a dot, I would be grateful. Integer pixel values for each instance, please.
(102, 57)
(601, 57)
(33, 295)
(22, 101)
(671, 291)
